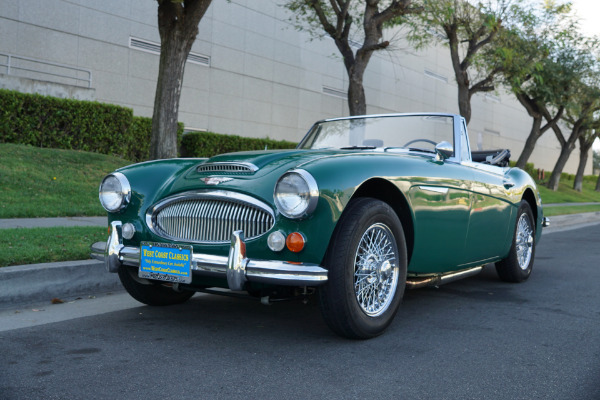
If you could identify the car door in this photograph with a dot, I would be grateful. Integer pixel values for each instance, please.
(489, 222)
(442, 206)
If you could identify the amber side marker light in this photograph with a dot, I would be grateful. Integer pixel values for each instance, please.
(295, 242)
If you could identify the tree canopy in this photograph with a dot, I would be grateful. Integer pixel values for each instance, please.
(356, 27)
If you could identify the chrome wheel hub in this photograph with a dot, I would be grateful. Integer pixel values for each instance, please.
(524, 241)
(376, 270)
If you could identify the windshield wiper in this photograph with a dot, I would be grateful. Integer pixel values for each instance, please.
(421, 150)
(358, 148)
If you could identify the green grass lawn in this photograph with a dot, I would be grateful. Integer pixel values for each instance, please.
(36, 182)
(566, 194)
(42, 245)
(564, 210)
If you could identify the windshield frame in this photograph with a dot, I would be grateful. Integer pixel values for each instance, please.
(459, 129)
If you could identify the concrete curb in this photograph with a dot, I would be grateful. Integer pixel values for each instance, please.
(36, 283)
(561, 223)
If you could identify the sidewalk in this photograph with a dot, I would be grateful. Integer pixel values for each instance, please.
(37, 283)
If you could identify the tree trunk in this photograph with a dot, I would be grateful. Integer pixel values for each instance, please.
(464, 102)
(585, 145)
(534, 135)
(598, 184)
(163, 143)
(178, 28)
(583, 158)
(559, 167)
(357, 102)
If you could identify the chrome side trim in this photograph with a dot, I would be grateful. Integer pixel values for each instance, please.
(435, 189)
(236, 268)
(436, 280)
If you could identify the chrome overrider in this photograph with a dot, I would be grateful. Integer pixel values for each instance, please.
(236, 268)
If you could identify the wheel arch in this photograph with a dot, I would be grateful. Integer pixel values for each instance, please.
(529, 197)
(384, 190)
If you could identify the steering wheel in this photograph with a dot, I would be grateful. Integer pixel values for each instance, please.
(420, 140)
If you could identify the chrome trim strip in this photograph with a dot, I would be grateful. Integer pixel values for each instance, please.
(435, 189)
(236, 268)
(252, 222)
(415, 283)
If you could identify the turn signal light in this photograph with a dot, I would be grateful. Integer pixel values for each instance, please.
(295, 242)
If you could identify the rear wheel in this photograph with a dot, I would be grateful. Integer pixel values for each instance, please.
(367, 270)
(519, 263)
(149, 292)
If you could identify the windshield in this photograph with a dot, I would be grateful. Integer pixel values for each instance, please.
(417, 132)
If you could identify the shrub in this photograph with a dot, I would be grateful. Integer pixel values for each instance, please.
(208, 144)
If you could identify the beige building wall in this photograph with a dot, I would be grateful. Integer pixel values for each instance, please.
(257, 76)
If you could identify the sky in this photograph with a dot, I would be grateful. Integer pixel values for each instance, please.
(589, 11)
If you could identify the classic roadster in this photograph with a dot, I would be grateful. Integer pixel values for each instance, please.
(363, 208)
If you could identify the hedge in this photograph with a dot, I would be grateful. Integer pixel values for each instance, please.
(208, 144)
(44, 121)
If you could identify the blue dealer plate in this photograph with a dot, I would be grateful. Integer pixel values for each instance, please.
(166, 262)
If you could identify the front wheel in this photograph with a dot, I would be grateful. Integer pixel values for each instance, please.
(149, 292)
(367, 264)
(519, 263)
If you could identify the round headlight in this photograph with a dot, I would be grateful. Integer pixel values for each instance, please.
(115, 192)
(296, 194)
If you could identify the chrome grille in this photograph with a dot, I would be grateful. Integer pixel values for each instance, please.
(210, 217)
(233, 168)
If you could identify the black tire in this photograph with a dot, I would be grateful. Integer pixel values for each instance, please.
(343, 303)
(149, 292)
(519, 263)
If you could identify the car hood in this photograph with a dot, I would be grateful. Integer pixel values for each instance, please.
(253, 172)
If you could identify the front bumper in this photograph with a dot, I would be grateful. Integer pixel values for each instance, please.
(236, 268)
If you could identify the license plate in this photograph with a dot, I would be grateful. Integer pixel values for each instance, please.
(166, 262)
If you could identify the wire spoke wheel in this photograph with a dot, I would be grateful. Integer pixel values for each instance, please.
(524, 241)
(367, 265)
(517, 266)
(376, 270)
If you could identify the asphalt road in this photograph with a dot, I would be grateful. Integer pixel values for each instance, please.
(474, 339)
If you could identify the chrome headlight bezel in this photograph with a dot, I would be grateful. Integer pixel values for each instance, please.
(123, 191)
(303, 186)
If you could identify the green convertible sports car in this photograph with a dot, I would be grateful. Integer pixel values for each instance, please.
(363, 208)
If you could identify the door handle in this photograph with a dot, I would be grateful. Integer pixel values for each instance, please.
(508, 184)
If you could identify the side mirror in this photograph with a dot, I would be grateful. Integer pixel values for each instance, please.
(443, 150)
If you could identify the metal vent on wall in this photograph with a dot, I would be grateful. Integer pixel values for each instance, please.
(436, 76)
(335, 92)
(154, 48)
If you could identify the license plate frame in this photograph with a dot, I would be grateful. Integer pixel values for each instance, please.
(166, 262)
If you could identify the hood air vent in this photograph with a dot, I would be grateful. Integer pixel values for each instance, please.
(228, 168)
